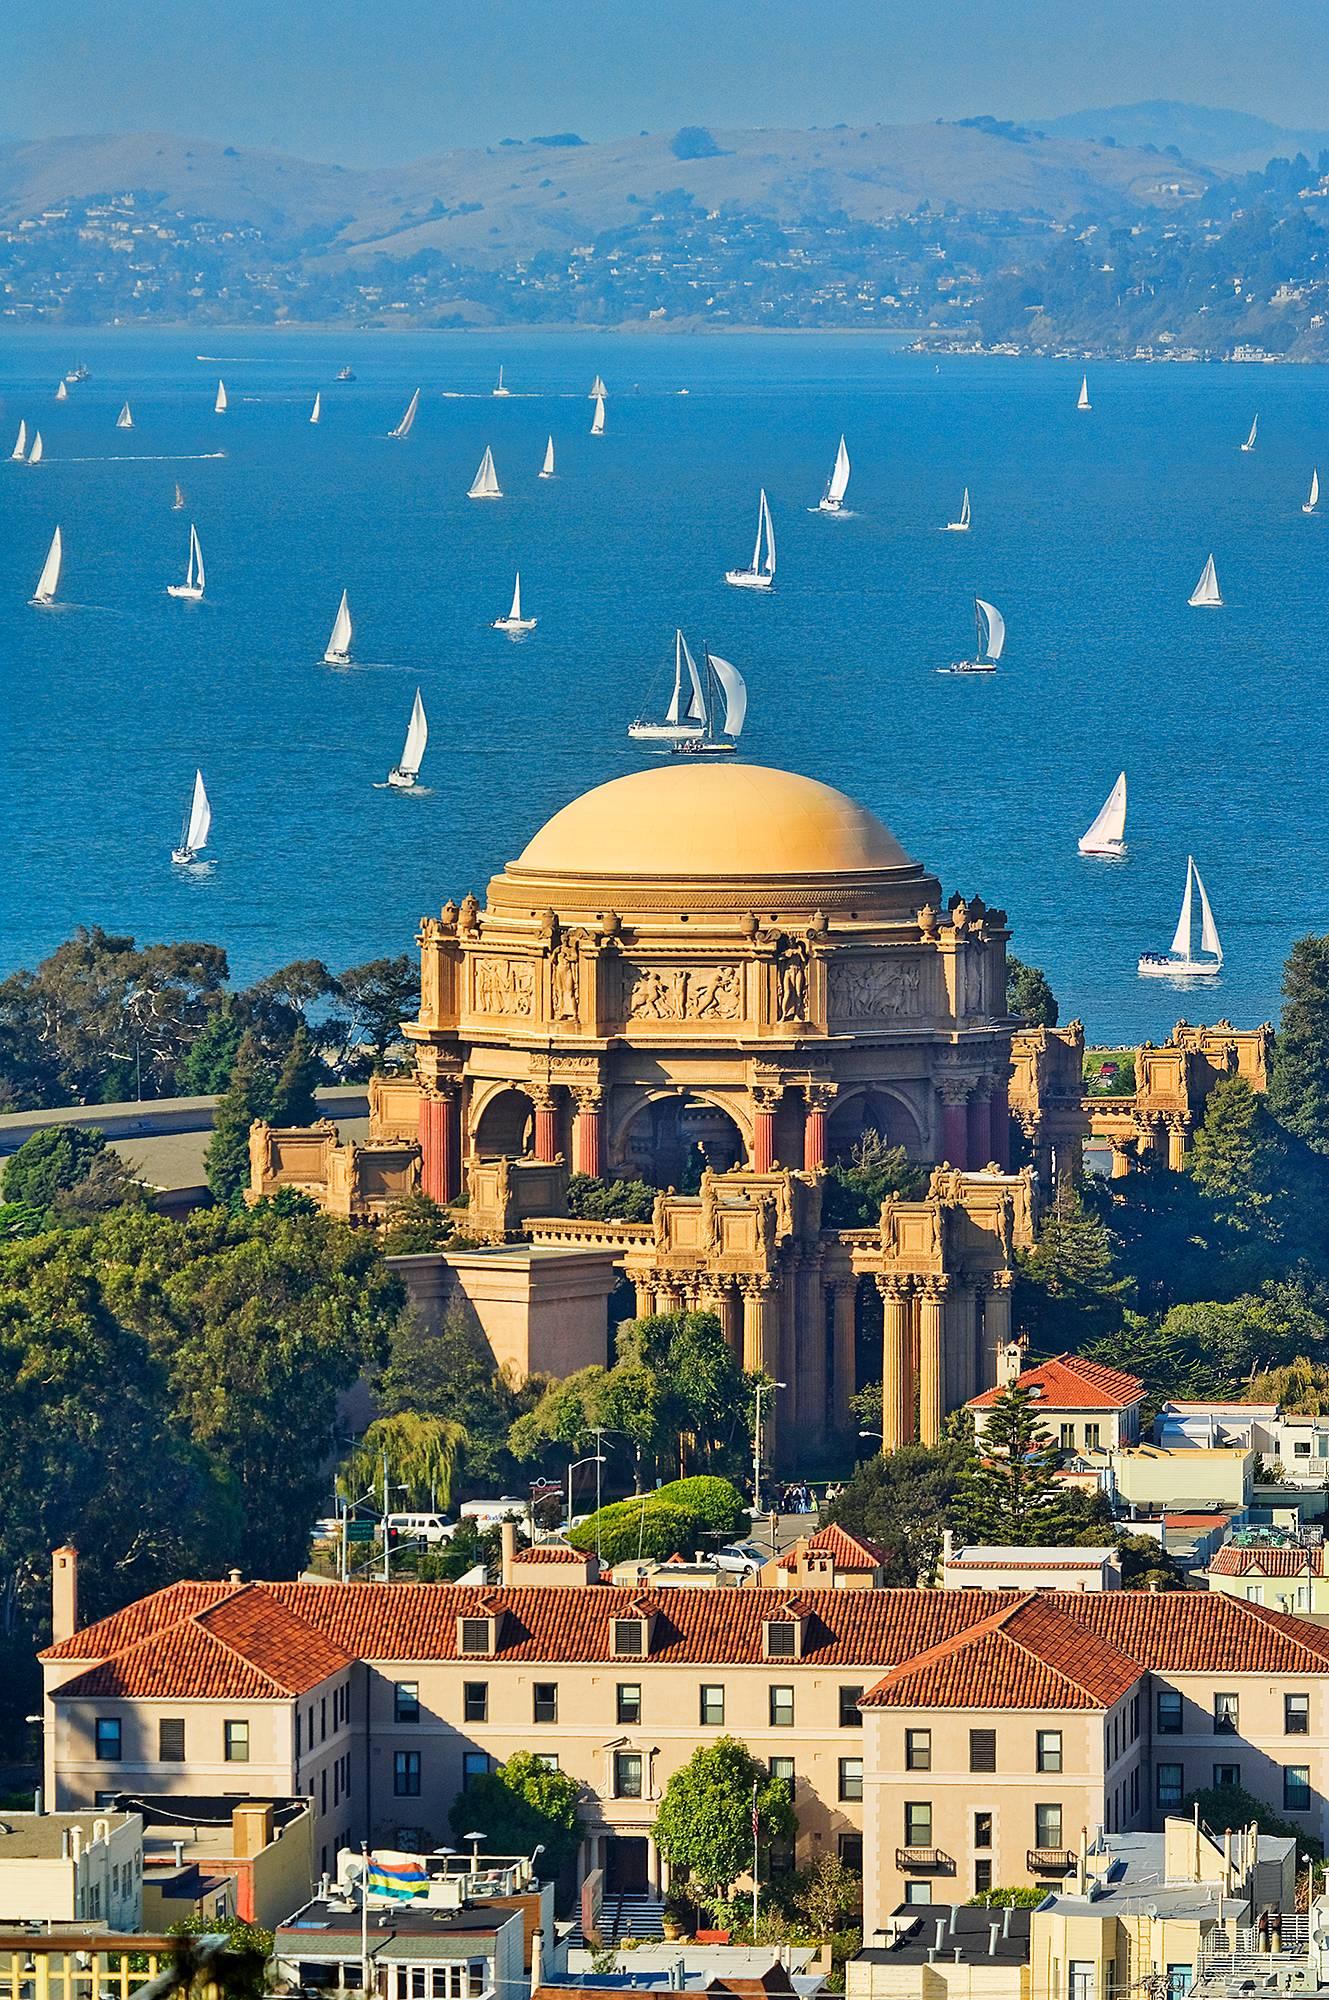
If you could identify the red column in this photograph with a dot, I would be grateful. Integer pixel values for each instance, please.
(979, 1136)
(814, 1137)
(588, 1136)
(999, 1117)
(763, 1140)
(546, 1129)
(954, 1126)
(431, 1130)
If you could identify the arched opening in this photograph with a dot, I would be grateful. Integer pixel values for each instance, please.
(870, 1111)
(671, 1140)
(506, 1125)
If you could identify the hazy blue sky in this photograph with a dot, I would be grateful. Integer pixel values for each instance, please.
(360, 83)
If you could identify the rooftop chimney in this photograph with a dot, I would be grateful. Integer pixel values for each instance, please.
(234, 1576)
(1010, 1360)
(64, 1593)
(508, 1542)
(251, 1830)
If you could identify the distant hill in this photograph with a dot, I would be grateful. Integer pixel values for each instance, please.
(1235, 141)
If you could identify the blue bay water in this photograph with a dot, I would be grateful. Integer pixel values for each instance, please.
(1089, 533)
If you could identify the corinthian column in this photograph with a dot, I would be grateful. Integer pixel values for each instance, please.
(546, 1121)
(931, 1359)
(818, 1100)
(440, 1144)
(588, 1132)
(764, 1104)
(759, 1356)
(897, 1413)
(978, 1132)
(954, 1094)
(843, 1351)
(996, 1320)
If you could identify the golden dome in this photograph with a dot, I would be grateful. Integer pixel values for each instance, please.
(690, 820)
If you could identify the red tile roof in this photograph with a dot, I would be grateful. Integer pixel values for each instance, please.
(247, 1647)
(1028, 1654)
(847, 1551)
(1069, 1382)
(1233, 1561)
(552, 1552)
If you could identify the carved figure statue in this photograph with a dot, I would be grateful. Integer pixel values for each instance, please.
(792, 975)
(564, 980)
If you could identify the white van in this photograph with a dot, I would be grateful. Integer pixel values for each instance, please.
(422, 1527)
(489, 1513)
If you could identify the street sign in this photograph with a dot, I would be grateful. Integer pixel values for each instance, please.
(362, 1531)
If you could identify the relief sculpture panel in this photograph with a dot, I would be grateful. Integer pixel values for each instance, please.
(872, 989)
(503, 985)
(684, 992)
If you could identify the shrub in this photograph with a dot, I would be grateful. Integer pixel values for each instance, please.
(715, 1504)
(647, 1527)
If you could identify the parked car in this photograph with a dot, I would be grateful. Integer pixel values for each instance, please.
(746, 1558)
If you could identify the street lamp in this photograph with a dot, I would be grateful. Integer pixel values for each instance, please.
(596, 1458)
(475, 1839)
(763, 1389)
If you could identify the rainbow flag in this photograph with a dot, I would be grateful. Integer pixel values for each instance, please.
(397, 1876)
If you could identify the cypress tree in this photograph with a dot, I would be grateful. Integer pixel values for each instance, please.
(1299, 1081)
(246, 1097)
(301, 1073)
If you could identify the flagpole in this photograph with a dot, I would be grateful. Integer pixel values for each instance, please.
(364, 1919)
(754, 1860)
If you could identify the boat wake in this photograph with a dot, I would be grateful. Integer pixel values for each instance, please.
(145, 458)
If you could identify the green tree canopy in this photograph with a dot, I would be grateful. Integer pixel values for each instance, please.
(1266, 1189)
(901, 1501)
(1299, 1082)
(1300, 1387)
(451, 1374)
(301, 1074)
(247, 1096)
(520, 1806)
(1069, 1289)
(610, 1201)
(704, 1825)
(376, 998)
(51, 1162)
(1029, 996)
(423, 1456)
(853, 1193)
(1214, 1349)
(1012, 1496)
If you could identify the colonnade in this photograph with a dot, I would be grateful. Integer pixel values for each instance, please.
(940, 1336)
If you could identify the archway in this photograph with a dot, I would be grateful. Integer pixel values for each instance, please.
(505, 1125)
(868, 1111)
(670, 1139)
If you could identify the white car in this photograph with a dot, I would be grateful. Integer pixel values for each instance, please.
(746, 1558)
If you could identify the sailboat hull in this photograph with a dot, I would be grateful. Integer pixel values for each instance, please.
(402, 781)
(748, 579)
(957, 527)
(827, 507)
(515, 626)
(969, 667)
(183, 857)
(187, 590)
(665, 732)
(1111, 849)
(703, 746)
(331, 659)
(1162, 965)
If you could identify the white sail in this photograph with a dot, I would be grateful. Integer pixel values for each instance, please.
(417, 735)
(408, 418)
(485, 485)
(61, 392)
(221, 405)
(598, 392)
(1209, 940)
(179, 500)
(598, 420)
(195, 576)
(35, 455)
(764, 518)
(996, 629)
(1082, 401)
(1206, 591)
(832, 498)
(735, 691)
(1181, 937)
(21, 441)
(547, 469)
(50, 576)
(339, 643)
(499, 390)
(125, 420)
(200, 817)
(1310, 504)
(1108, 830)
(514, 616)
(316, 414)
(964, 509)
(1250, 442)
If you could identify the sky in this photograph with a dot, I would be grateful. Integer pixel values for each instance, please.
(364, 85)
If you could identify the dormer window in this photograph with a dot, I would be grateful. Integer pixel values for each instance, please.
(629, 1635)
(477, 1637)
(784, 1638)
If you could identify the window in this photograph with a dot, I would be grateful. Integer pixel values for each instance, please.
(982, 1749)
(323, 1719)
(627, 1774)
(630, 1638)
(782, 1769)
(1168, 1716)
(851, 1716)
(780, 1857)
(1170, 1785)
(712, 1707)
(1227, 1774)
(1225, 1715)
(171, 1740)
(108, 1733)
(235, 1740)
(629, 1701)
(982, 1877)
(1296, 1714)
(1179, 1981)
(474, 1764)
(475, 1701)
(406, 1701)
(1080, 1983)
(1297, 1788)
(544, 1701)
(1047, 1826)
(918, 1823)
(475, 1635)
(781, 1639)
(1301, 1448)
(850, 1847)
(1091, 1437)
(782, 1708)
(1049, 1749)
(918, 1749)
(1067, 1439)
(917, 1892)
(983, 1829)
(406, 1774)
(851, 1778)
(547, 1759)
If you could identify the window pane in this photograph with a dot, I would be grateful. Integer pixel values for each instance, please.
(983, 1829)
(1170, 1787)
(782, 1768)
(1047, 1826)
(782, 1708)
(712, 1706)
(1296, 1714)
(918, 1824)
(475, 1701)
(1297, 1788)
(918, 1749)
(627, 1774)
(851, 1716)
(545, 1694)
(1169, 1712)
(851, 1777)
(406, 1701)
(237, 1742)
(1225, 1713)
(108, 1738)
(1049, 1749)
(629, 1701)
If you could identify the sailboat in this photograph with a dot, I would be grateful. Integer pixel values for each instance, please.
(316, 414)
(192, 587)
(125, 420)
(61, 392)
(1312, 501)
(1206, 592)
(221, 405)
(49, 579)
(80, 373)
(598, 420)
(404, 774)
(961, 527)
(991, 629)
(21, 441)
(761, 574)
(177, 504)
(1179, 960)
(197, 826)
(547, 469)
(514, 624)
(404, 427)
(1107, 835)
(691, 725)
(35, 455)
(346, 374)
(1255, 425)
(338, 653)
(498, 389)
(1082, 401)
(485, 484)
(832, 500)
(597, 391)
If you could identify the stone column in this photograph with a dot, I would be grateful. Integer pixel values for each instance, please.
(546, 1121)
(731, 1319)
(818, 1100)
(962, 1368)
(931, 1359)
(954, 1092)
(439, 1130)
(1121, 1162)
(758, 1354)
(645, 1291)
(764, 1104)
(999, 1121)
(897, 1400)
(996, 1319)
(668, 1297)
(807, 1348)
(844, 1352)
(1177, 1127)
(588, 1132)
(978, 1135)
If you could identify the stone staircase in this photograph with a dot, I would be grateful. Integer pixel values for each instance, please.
(636, 1916)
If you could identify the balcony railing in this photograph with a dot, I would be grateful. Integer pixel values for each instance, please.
(1050, 1860)
(924, 1860)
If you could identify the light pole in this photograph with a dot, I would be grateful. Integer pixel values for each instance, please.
(596, 1458)
(763, 1389)
(878, 1435)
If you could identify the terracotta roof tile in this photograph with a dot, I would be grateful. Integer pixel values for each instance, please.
(1028, 1654)
(137, 1620)
(245, 1648)
(1233, 1561)
(847, 1550)
(551, 1552)
(1069, 1382)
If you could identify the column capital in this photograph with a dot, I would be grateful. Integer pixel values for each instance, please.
(540, 1094)
(756, 1284)
(954, 1089)
(842, 1285)
(820, 1096)
(442, 1089)
(892, 1287)
(767, 1097)
(935, 1286)
(588, 1097)
(1000, 1281)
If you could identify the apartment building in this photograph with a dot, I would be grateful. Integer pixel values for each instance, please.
(1083, 1406)
(944, 1740)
